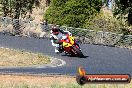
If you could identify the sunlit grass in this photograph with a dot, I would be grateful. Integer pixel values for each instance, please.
(10, 81)
(11, 57)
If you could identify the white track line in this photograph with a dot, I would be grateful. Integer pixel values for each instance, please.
(58, 65)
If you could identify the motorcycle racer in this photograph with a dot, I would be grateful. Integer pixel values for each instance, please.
(55, 35)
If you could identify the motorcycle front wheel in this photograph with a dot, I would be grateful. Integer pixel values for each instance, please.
(77, 51)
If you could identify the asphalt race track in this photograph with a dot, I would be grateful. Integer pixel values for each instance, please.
(98, 59)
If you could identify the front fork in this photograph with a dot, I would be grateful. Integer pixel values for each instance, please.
(77, 45)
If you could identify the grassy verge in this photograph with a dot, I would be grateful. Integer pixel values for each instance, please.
(11, 57)
(7, 81)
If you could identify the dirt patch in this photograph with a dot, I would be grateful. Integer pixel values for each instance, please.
(39, 81)
(11, 57)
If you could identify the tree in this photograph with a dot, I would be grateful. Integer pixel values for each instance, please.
(5, 7)
(48, 2)
(72, 12)
(122, 8)
(17, 8)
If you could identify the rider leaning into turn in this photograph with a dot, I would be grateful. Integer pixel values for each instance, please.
(55, 35)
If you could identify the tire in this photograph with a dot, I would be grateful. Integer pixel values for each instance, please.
(78, 51)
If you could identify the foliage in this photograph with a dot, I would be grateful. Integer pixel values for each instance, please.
(72, 12)
(104, 23)
(106, 2)
(108, 23)
(121, 7)
(122, 12)
(17, 8)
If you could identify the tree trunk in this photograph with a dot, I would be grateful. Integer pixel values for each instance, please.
(16, 23)
(5, 9)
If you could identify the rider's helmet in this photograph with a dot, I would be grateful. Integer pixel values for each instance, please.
(55, 30)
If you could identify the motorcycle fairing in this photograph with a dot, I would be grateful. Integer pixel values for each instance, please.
(69, 42)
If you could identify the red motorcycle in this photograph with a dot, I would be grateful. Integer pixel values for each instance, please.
(70, 46)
